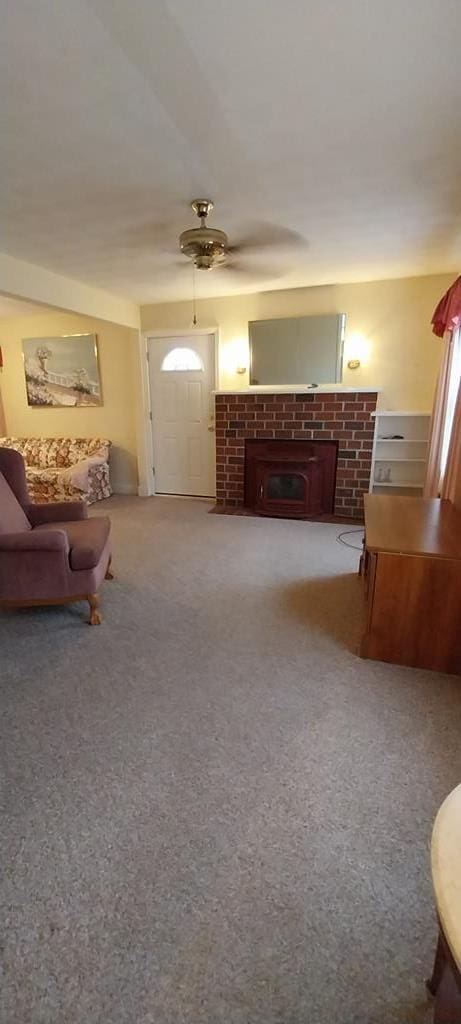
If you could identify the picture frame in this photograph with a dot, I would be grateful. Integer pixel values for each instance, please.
(62, 372)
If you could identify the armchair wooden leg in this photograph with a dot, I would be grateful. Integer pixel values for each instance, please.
(445, 985)
(109, 573)
(95, 615)
(433, 982)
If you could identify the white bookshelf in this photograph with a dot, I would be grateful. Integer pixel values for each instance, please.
(400, 450)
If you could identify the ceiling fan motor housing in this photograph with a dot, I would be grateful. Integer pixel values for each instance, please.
(204, 245)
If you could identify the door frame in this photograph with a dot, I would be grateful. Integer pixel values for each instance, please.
(148, 488)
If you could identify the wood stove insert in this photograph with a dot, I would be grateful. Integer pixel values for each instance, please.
(292, 479)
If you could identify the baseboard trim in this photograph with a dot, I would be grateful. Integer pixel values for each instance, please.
(124, 488)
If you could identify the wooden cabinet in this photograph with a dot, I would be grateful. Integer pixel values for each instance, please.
(413, 564)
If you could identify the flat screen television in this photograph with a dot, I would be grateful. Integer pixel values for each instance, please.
(297, 350)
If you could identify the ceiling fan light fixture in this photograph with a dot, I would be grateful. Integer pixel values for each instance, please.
(204, 262)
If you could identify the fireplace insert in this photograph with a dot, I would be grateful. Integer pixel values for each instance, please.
(294, 479)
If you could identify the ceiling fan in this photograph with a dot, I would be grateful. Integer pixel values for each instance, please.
(209, 248)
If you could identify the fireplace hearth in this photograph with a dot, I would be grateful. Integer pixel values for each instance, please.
(291, 479)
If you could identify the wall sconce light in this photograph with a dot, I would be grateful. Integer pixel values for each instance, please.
(356, 350)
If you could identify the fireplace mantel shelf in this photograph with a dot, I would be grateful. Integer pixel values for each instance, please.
(293, 389)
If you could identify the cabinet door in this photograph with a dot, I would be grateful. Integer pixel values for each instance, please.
(415, 611)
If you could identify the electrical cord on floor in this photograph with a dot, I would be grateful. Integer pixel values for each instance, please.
(346, 533)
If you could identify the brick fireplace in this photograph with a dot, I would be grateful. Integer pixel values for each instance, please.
(341, 416)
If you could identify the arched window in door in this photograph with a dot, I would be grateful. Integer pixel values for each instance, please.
(181, 359)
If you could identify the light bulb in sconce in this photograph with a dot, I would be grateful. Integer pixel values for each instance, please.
(356, 350)
(234, 356)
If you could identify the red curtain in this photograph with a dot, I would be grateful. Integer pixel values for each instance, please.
(447, 315)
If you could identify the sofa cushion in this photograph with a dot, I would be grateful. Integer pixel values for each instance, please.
(12, 516)
(87, 538)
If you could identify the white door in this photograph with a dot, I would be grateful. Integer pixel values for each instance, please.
(182, 377)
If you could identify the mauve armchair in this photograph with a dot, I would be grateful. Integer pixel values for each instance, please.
(49, 554)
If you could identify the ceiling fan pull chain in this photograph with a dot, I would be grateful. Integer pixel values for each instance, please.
(194, 303)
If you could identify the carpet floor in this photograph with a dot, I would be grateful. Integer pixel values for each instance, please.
(213, 811)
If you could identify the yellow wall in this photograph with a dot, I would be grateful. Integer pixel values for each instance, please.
(115, 419)
(391, 318)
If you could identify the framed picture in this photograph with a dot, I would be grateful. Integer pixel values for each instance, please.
(62, 371)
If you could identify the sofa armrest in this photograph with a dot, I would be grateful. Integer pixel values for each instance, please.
(46, 540)
(55, 512)
(80, 472)
(87, 461)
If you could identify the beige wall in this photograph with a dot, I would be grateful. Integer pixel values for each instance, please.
(387, 321)
(115, 419)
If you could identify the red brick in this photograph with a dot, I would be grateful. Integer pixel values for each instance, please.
(354, 406)
(319, 416)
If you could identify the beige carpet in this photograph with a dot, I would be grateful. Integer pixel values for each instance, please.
(213, 811)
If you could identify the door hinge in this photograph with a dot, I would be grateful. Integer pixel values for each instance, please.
(147, 355)
(150, 416)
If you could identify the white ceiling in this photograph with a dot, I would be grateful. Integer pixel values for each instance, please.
(335, 123)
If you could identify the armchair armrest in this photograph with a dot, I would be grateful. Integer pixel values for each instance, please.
(46, 540)
(55, 512)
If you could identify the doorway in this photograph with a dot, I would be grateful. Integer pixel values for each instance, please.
(181, 381)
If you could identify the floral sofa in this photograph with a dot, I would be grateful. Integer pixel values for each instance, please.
(64, 468)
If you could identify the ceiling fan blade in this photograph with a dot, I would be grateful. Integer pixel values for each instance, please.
(238, 268)
(269, 236)
(185, 264)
